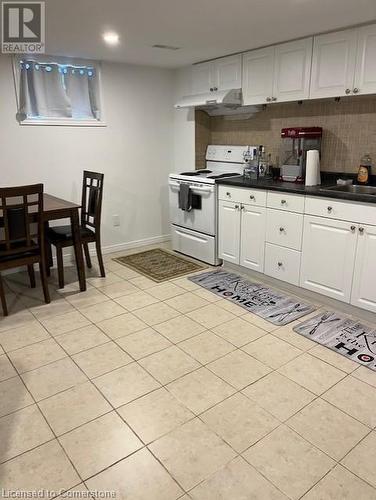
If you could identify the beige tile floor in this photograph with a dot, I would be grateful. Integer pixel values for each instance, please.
(166, 392)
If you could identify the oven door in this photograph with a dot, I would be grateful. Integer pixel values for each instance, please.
(202, 217)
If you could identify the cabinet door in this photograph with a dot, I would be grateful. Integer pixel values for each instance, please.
(229, 231)
(252, 238)
(364, 286)
(328, 257)
(365, 73)
(333, 64)
(258, 70)
(292, 70)
(228, 73)
(202, 78)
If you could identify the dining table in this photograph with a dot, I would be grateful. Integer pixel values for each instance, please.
(55, 208)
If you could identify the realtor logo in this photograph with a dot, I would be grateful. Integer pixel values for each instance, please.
(23, 27)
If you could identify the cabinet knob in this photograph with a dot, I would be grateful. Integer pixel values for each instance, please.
(211, 89)
(352, 228)
(280, 264)
(236, 207)
(330, 209)
(347, 91)
(283, 202)
(268, 99)
(251, 197)
(361, 230)
(215, 89)
(228, 194)
(281, 229)
(356, 90)
(274, 99)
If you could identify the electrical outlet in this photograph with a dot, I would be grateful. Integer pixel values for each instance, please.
(116, 220)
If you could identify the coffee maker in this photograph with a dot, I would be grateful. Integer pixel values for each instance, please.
(296, 141)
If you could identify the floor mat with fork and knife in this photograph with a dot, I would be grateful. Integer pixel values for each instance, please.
(343, 335)
(256, 298)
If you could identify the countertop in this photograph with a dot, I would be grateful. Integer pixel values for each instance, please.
(291, 187)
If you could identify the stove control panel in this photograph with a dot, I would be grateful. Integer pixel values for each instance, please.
(233, 154)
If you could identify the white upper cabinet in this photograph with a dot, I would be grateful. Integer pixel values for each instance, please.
(292, 70)
(221, 74)
(333, 64)
(365, 72)
(279, 73)
(258, 72)
(228, 73)
(202, 78)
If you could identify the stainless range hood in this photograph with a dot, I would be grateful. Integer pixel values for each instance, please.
(226, 98)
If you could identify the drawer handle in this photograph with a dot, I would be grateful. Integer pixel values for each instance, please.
(228, 194)
(281, 229)
(283, 202)
(251, 197)
(330, 209)
(280, 264)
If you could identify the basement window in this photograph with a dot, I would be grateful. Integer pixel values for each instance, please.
(57, 91)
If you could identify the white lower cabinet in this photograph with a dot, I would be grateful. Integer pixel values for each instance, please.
(328, 254)
(229, 231)
(364, 283)
(252, 240)
(282, 263)
(241, 234)
(322, 246)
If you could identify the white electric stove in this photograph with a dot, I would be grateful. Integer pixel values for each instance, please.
(194, 233)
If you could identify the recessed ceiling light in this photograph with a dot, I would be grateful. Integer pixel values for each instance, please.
(111, 38)
(165, 47)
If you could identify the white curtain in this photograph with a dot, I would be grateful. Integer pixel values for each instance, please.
(52, 90)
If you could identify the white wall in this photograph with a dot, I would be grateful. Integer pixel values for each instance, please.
(184, 124)
(135, 151)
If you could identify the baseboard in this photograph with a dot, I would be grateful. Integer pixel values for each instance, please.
(134, 244)
(119, 247)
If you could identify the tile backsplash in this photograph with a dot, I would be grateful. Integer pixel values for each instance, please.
(349, 130)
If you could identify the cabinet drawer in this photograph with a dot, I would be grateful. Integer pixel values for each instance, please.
(282, 263)
(284, 229)
(362, 213)
(285, 201)
(247, 196)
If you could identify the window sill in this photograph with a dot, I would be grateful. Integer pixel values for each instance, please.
(63, 123)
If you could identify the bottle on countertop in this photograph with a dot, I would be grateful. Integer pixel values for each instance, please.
(365, 168)
(250, 164)
(262, 162)
(269, 167)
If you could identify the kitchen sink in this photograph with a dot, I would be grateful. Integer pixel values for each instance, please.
(353, 189)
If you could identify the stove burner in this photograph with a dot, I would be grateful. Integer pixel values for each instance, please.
(194, 173)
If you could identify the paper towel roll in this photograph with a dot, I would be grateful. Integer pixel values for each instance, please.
(313, 176)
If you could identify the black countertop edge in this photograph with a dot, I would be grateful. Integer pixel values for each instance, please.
(291, 187)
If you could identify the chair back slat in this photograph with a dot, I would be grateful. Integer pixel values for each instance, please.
(21, 226)
(92, 193)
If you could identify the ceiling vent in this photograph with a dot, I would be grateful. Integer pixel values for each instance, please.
(165, 47)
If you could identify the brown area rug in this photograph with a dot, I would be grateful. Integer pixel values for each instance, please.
(159, 265)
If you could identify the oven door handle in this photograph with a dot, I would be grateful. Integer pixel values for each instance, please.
(193, 188)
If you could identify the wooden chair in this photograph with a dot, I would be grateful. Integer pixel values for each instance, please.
(22, 234)
(91, 210)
